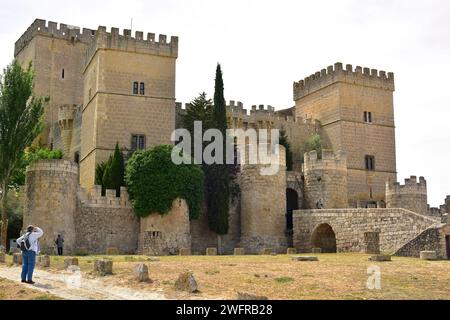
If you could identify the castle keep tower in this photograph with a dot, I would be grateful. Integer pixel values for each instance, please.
(411, 196)
(263, 206)
(325, 180)
(355, 108)
(129, 95)
(56, 54)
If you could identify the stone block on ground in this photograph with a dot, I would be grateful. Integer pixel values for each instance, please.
(2, 257)
(250, 296)
(70, 262)
(186, 282)
(428, 255)
(380, 258)
(316, 250)
(291, 251)
(239, 251)
(185, 252)
(211, 251)
(103, 267)
(141, 272)
(112, 251)
(266, 251)
(44, 261)
(299, 258)
(17, 258)
(81, 251)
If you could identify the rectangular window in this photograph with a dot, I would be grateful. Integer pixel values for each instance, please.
(367, 117)
(142, 89)
(370, 163)
(137, 142)
(135, 87)
(62, 74)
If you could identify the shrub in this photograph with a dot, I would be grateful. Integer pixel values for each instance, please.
(154, 182)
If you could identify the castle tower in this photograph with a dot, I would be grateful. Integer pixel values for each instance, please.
(129, 95)
(411, 196)
(325, 183)
(263, 206)
(51, 202)
(56, 53)
(65, 121)
(355, 108)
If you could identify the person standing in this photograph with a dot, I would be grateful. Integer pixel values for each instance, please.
(29, 245)
(59, 244)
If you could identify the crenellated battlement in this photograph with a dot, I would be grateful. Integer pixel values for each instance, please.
(329, 161)
(52, 29)
(124, 41)
(94, 198)
(360, 76)
(411, 186)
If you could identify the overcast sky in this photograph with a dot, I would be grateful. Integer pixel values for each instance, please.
(264, 46)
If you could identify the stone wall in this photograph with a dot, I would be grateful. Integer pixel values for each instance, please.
(432, 239)
(106, 221)
(396, 227)
(202, 237)
(411, 196)
(263, 206)
(51, 201)
(166, 234)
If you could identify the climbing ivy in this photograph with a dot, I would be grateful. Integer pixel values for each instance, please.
(154, 182)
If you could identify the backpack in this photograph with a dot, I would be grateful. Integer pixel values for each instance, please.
(25, 244)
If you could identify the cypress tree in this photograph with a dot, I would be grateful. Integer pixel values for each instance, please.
(217, 176)
(113, 176)
(285, 142)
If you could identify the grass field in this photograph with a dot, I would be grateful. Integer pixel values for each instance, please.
(9, 290)
(335, 276)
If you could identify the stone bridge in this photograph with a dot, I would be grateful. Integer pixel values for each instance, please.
(354, 230)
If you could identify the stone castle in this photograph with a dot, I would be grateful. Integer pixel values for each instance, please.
(107, 87)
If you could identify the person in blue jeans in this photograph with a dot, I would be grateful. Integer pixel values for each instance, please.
(29, 256)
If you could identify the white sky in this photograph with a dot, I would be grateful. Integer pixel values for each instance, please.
(264, 46)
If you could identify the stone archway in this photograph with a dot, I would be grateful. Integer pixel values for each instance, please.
(323, 237)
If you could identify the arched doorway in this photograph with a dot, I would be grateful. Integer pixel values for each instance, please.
(323, 237)
(447, 245)
(291, 205)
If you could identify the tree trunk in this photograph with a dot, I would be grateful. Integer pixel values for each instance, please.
(4, 224)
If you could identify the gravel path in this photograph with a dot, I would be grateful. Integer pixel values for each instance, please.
(70, 286)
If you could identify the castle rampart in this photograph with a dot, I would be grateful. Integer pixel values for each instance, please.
(412, 195)
(361, 76)
(137, 44)
(51, 29)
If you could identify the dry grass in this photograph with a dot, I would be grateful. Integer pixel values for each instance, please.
(9, 290)
(335, 276)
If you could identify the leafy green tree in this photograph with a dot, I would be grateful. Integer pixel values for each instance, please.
(20, 124)
(113, 173)
(315, 143)
(200, 109)
(217, 175)
(284, 141)
(154, 182)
